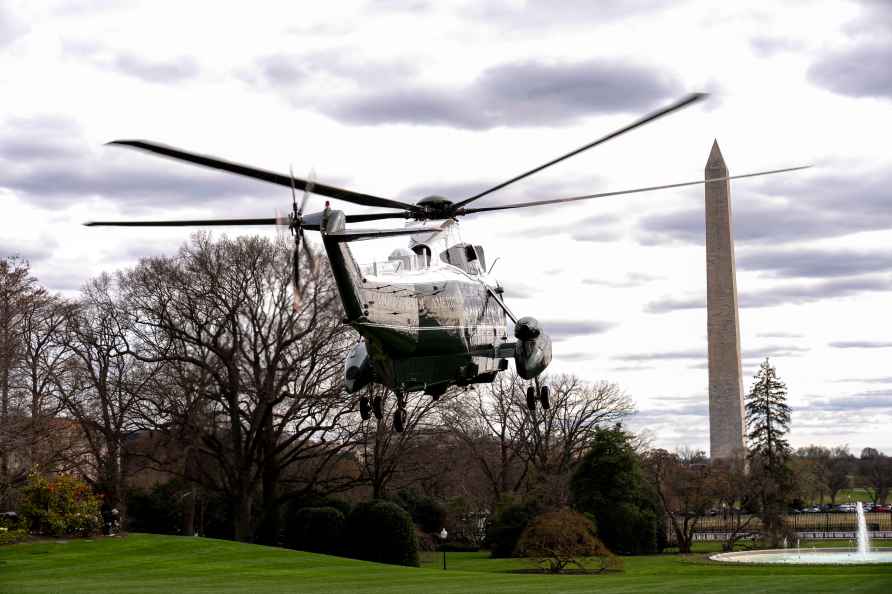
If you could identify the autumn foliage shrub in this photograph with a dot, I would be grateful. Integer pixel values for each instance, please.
(61, 506)
(560, 538)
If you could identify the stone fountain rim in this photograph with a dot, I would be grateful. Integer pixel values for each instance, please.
(729, 556)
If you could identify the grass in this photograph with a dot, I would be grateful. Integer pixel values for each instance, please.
(143, 563)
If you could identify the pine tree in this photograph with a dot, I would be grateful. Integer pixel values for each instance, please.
(767, 423)
(768, 417)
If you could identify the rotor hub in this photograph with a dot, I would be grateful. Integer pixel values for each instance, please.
(435, 207)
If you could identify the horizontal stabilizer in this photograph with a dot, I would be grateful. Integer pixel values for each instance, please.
(363, 234)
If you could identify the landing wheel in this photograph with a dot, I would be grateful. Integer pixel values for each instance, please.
(544, 393)
(531, 398)
(377, 407)
(365, 408)
(399, 420)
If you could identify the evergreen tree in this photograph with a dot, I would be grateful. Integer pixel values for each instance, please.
(768, 416)
(767, 423)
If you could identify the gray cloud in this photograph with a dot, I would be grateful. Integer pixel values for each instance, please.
(47, 161)
(166, 70)
(859, 401)
(785, 294)
(669, 304)
(156, 71)
(809, 293)
(866, 380)
(813, 263)
(793, 208)
(861, 344)
(774, 351)
(563, 329)
(860, 71)
(11, 27)
(663, 356)
(632, 279)
(514, 94)
(542, 14)
(766, 46)
(858, 68)
(778, 334)
(32, 250)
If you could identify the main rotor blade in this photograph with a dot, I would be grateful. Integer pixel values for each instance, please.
(692, 98)
(192, 223)
(357, 218)
(621, 192)
(263, 175)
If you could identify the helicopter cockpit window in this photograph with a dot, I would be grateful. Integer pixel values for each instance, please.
(463, 256)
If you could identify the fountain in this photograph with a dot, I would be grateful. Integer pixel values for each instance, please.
(861, 554)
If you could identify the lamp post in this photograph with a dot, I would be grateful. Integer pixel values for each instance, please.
(443, 534)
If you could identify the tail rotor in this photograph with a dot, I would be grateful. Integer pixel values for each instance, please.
(297, 230)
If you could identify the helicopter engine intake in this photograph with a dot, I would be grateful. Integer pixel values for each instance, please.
(533, 351)
(358, 371)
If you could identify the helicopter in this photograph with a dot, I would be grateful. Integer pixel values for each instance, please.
(431, 316)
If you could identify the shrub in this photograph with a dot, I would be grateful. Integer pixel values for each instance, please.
(159, 510)
(316, 529)
(428, 513)
(12, 536)
(382, 531)
(561, 538)
(62, 506)
(505, 528)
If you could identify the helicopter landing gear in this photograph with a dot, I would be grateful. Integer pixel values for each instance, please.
(400, 416)
(378, 407)
(544, 393)
(531, 398)
(399, 419)
(540, 394)
(365, 408)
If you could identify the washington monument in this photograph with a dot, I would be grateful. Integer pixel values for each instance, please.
(723, 329)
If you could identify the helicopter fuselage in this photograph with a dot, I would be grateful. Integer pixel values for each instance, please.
(424, 328)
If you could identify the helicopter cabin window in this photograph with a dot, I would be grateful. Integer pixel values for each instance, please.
(423, 255)
(402, 260)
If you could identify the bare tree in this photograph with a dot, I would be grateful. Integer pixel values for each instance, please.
(18, 293)
(103, 383)
(487, 422)
(685, 485)
(389, 458)
(559, 436)
(270, 400)
(875, 470)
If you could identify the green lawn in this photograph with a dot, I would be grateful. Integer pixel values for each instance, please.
(173, 565)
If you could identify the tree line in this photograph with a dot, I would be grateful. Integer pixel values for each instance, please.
(194, 372)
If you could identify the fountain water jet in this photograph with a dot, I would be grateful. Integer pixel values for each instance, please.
(863, 535)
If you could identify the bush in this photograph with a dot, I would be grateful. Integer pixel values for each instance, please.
(382, 531)
(62, 506)
(504, 530)
(561, 538)
(158, 511)
(12, 536)
(428, 513)
(316, 529)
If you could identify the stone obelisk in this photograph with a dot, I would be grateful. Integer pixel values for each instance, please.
(726, 428)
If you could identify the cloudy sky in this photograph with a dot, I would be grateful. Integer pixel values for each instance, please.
(405, 98)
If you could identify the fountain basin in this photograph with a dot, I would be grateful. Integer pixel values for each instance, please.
(807, 556)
